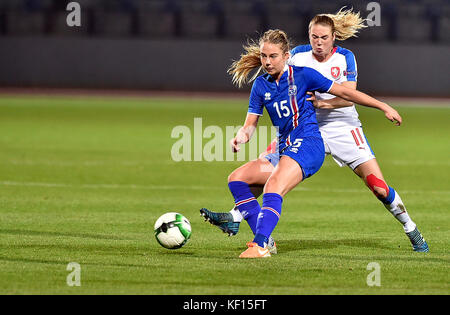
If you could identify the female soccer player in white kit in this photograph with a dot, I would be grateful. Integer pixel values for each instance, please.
(339, 125)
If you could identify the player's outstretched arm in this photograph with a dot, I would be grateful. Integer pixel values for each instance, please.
(365, 100)
(332, 103)
(245, 133)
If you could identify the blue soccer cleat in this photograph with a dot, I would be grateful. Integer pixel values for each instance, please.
(223, 220)
(417, 241)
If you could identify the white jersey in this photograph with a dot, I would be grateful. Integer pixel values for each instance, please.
(340, 67)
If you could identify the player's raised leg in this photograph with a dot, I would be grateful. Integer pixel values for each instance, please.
(371, 174)
(240, 183)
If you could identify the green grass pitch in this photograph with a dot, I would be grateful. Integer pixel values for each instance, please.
(83, 179)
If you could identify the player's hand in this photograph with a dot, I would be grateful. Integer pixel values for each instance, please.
(393, 115)
(235, 145)
(319, 103)
(312, 98)
(242, 136)
(236, 141)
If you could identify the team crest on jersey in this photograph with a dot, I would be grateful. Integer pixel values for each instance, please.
(292, 90)
(335, 72)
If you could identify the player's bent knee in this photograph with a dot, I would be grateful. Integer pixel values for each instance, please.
(380, 193)
(378, 186)
(242, 174)
(234, 176)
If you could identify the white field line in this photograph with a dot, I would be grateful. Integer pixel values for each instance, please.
(169, 162)
(193, 187)
(183, 95)
(105, 186)
(78, 163)
(418, 162)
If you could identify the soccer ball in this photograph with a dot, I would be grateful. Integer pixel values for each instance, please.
(172, 230)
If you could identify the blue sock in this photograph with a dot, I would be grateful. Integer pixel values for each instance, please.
(245, 202)
(268, 218)
(390, 197)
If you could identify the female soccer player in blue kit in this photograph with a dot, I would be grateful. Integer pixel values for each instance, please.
(282, 90)
(338, 122)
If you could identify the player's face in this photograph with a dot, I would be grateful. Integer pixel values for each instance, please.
(273, 59)
(321, 39)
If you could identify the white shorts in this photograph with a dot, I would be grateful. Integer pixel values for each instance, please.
(347, 144)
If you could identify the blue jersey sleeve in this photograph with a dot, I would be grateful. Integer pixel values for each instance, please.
(352, 69)
(316, 81)
(256, 103)
(300, 49)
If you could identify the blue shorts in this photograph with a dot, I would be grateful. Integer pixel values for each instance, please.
(308, 152)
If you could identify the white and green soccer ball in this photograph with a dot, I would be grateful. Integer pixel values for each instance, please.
(172, 230)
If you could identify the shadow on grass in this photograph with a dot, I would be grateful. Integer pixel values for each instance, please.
(390, 252)
(295, 245)
(174, 253)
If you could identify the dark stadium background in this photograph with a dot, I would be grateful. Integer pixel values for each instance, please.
(187, 45)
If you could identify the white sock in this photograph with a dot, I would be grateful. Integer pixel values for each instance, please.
(398, 210)
(237, 216)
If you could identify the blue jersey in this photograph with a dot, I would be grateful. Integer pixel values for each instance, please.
(286, 102)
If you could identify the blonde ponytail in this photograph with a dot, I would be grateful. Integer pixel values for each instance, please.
(251, 59)
(344, 24)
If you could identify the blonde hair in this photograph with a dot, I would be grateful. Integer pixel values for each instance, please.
(251, 59)
(344, 24)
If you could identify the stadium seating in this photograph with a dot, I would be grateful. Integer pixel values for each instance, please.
(403, 20)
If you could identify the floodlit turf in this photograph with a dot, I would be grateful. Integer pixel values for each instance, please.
(83, 179)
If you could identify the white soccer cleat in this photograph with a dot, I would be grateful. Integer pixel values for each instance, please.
(272, 246)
